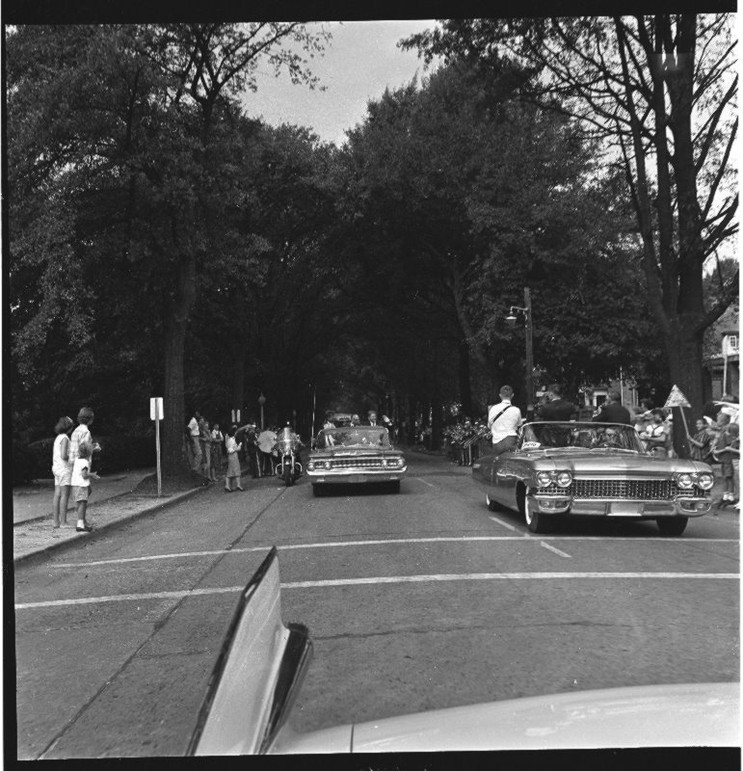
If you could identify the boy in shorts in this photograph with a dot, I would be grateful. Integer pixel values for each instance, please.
(81, 487)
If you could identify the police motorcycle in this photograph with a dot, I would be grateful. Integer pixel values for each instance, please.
(288, 467)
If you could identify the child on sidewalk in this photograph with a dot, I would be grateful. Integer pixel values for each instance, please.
(726, 450)
(62, 470)
(81, 476)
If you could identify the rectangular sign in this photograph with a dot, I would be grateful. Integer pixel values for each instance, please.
(156, 408)
(622, 509)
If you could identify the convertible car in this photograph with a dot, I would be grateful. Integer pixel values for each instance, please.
(246, 708)
(355, 454)
(595, 469)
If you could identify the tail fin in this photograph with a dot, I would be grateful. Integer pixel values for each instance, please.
(257, 675)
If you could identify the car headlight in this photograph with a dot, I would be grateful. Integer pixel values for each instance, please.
(684, 481)
(310, 465)
(544, 478)
(705, 481)
(327, 464)
(564, 479)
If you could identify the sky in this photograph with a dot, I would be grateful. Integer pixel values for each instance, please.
(359, 62)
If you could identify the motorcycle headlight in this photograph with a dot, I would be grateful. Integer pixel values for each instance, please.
(684, 481)
(544, 478)
(564, 479)
(705, 481)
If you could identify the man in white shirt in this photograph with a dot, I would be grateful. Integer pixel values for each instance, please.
(194, 434)
(503, 422)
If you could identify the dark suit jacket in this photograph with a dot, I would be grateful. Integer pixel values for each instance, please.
(613, 412)
(558, 409)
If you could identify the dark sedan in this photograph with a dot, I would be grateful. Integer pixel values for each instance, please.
(355, 454)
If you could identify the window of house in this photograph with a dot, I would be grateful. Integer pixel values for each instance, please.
(731, 343)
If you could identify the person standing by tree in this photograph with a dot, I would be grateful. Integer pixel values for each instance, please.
(205, 445)
(62, 470)
(194, 433)
(217, 443)
(700, 442)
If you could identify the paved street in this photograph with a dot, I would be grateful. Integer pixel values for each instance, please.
(414, 601)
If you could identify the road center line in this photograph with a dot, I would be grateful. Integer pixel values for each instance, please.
(381, 542)
(553, 549)
(376, 580)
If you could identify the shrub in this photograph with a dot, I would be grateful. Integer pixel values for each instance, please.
(22, 464)
(118, 453)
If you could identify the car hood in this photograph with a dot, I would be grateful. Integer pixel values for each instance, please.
(354, 452)
(618, 461)
(706, 714)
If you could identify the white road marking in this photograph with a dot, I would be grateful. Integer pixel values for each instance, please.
(497, 576)
(501, 523)
(553, 549)
(383, 542)
(424, 481)
(375, 580)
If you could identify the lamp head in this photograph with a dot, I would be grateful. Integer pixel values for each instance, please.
(511, 319)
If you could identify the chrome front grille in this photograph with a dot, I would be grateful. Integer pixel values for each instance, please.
(356, 463)
(626, 489)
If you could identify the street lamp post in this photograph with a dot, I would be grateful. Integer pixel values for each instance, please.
(262, 401)
(525, 313)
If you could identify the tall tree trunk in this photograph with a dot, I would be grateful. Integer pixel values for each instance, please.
(684, 348)
(465, 384)
(174, 459)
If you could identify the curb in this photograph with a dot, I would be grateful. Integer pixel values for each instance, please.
(71, 508)
(179, 498)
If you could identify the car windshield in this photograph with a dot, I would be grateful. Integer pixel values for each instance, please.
(357, 436)
(583, 435)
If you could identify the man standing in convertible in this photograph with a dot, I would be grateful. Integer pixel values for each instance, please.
(503, 422)
(557, 408)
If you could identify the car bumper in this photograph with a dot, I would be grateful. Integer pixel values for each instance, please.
(350, 476)
(596, 507)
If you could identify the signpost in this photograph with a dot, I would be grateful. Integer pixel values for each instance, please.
(156, 414)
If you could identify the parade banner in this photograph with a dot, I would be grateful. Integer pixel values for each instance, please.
(676, 399)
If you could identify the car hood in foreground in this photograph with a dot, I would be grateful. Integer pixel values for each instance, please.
(691, 715)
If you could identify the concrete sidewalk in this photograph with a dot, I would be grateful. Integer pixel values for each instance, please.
(34, 501)
(112, 502)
